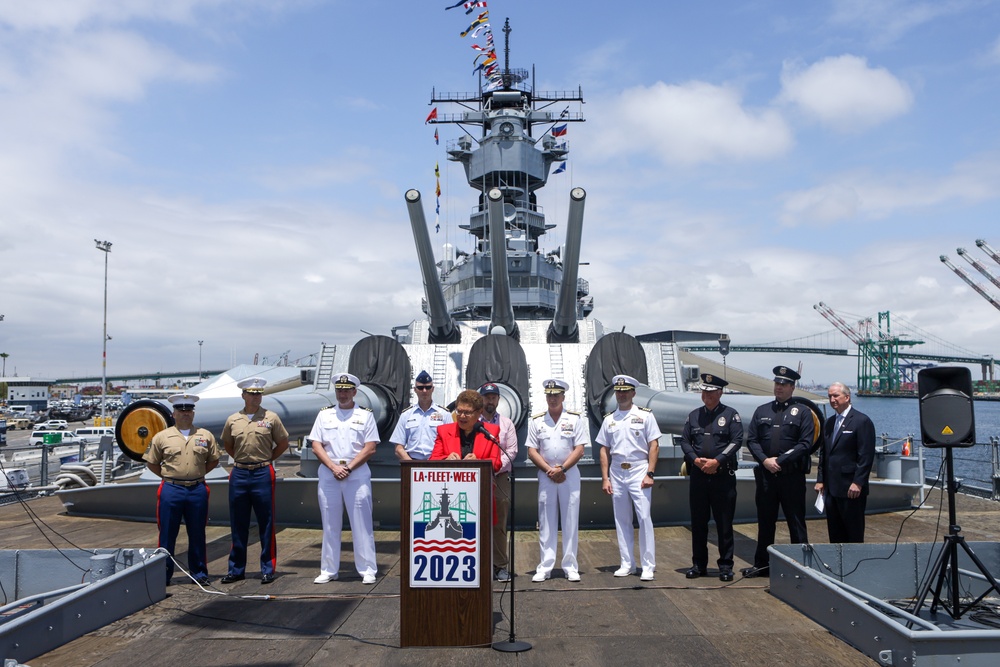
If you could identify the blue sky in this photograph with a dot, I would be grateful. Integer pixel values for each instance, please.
(248, 159)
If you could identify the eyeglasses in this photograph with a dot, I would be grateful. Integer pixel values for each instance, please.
(426, 387)
(465, 413)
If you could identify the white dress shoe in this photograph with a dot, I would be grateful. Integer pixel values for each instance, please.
(647, 574)
(572, 575)
(540, 577)
(368, 579)
(623, 571)
(324, 578)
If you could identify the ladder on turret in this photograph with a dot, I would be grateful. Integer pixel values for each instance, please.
(324, 369)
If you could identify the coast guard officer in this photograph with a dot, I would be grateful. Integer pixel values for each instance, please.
(501, 481)
(711, 441)
(417, 427)
(845, 462)
(629, 439)
(253, 437)
(780, 438)
(181, 455)
(344, 438)
(556, 439)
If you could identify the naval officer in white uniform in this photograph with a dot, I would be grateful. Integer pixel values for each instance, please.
(629, 439)
(556, 439)
(344, 438)
(416, 429)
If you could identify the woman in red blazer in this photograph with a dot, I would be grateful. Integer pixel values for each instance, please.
(448, 444)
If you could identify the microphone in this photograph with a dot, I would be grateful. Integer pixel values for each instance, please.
(479, 428)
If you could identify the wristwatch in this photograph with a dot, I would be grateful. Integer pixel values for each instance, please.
(649, 473)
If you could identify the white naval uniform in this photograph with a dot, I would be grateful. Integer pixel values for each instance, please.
(627, 435)
(343, 434)
(554, 442)
(417, 429)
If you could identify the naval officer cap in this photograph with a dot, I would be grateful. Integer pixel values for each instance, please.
(625, 382)
(555, 386)
(785, 375)
(489, 388)
(183, 401)
(425, 378)
(253, 385)
(346, 381)
(711, 382)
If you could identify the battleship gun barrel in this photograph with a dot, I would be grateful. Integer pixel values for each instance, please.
(442, 326)
(564, 328)
(502, 314)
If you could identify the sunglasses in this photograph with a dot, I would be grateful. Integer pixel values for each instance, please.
(425, 387)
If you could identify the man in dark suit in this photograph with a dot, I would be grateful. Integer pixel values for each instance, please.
(463, 439)
(845, 461)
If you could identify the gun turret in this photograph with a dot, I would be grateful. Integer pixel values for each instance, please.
(442, 326)
(502, 313)
(564, 328)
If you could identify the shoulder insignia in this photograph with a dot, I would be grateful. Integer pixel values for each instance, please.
(609, 414)
(572, 412)
(736, 417)
(538, 416)
(327, 407)
(361, 407)
(646, 409)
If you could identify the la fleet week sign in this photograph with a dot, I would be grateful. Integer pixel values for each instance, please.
(445, 528)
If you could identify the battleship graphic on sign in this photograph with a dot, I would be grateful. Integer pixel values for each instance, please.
(445, 528)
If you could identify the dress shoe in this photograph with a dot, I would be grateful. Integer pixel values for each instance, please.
(502, 575)
(572, 575)
(232, 578)
(624, 571)
(368, 579)
(203, 580)
(267, 578)
(324, 578)
(647, 574)
(752, 572)
(540, 576)
(695, 572)
(726, 575)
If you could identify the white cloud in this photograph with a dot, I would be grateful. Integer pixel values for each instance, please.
(690, 123)
(845, 93)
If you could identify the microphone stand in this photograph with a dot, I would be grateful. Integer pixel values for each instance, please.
(512, 645)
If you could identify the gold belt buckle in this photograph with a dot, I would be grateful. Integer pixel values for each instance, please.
(626, 465)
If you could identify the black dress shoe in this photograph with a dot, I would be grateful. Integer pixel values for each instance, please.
(203, 580)
(726, 575)
(695, 572)
(752, 572)
(232, 578)
(267, 578)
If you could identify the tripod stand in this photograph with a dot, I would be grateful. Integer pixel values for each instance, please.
(946, 564)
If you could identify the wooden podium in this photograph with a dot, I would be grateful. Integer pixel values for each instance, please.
(446, 545)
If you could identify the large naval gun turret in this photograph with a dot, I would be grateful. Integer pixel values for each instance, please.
(504, 310)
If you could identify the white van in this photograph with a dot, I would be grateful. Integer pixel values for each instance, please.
(92, 434)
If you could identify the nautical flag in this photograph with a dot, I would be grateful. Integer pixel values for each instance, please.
(470, 6)
(483, 18)
(560, 130)
(564, 112)
(560, 170)
(437, 141)
(478, 67)
(486, 27)
(431, 116)
(437, 170)
(437, 191)
(457, 4)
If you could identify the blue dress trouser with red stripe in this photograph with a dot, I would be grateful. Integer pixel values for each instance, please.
(252, 490)
(190, 503)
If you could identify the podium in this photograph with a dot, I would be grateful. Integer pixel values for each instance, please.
(446, 569)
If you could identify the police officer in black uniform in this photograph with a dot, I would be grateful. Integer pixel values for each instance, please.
(711, 440)
(780, 438)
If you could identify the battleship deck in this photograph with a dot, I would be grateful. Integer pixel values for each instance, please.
(602, 620)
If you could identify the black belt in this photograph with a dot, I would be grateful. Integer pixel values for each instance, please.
(251, 466)
(184, 482)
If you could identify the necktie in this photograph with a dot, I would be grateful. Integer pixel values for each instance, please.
(836, 426)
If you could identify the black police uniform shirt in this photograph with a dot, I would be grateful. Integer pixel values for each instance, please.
(707, 433)
(785, 431)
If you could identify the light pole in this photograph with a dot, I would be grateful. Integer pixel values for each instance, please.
(199, 359)
(105, 247)
(724, 350)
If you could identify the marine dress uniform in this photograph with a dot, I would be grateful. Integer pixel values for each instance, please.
(343, 433)
(784, 431)
(712, 435)
(629, 435)
(254, 440)
(182, 462)
(554, 443)
(417, 427)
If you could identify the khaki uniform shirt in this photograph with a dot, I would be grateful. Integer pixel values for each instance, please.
(179, 457)
(253, 437)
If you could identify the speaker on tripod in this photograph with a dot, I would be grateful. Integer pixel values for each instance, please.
(947, 420)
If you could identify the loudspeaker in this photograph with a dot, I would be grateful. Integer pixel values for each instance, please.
(946, 415)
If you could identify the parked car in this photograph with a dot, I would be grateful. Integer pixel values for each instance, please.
(92, 434)
(53, 425)
(17, 422)
(38, 437)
